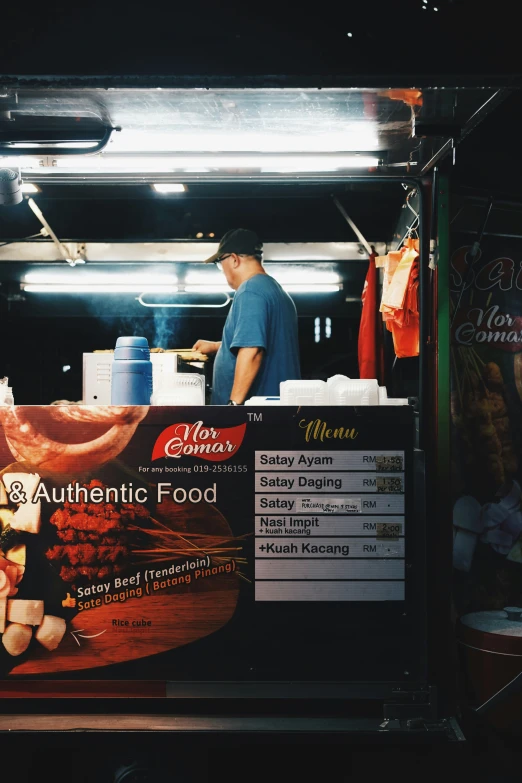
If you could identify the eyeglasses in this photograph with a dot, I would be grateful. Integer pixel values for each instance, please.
(220, 259)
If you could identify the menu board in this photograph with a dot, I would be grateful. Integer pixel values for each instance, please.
(342, 542)
(207, 543)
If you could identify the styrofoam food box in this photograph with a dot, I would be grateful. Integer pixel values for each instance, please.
(303, 392)
(332, 384)
(179, 389)
(354, 391)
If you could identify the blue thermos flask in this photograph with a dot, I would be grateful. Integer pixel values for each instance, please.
(131, 379)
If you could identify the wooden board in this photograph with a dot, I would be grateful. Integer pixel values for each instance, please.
(177, 619)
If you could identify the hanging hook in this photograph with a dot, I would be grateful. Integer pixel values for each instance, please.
(412, 228)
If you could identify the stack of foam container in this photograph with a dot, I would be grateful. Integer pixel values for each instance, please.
(337, 390)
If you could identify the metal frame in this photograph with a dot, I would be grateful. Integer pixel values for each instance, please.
(497, 98)
(180, 251)
(266, 81)
(401, 698)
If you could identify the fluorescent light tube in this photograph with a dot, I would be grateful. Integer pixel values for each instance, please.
(33, 145)
(205, 278)
(341, 137)
(304, 277)
(82, 279)
(291, 289)
(169, 187)
(78, 288)
(285, 277)
(108, 162)
(311, 289)
(208, 289)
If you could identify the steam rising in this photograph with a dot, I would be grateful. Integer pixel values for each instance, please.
(161, 331)
(164, 332)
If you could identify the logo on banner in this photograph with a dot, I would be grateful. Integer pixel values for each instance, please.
(196, 440)
(484, 316)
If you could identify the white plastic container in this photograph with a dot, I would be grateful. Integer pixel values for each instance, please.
(353, 391)
(175, 388)
(333, 384)
(383, 395)
(303, 393)
(396, 401)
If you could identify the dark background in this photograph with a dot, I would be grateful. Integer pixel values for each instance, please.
(389, 39)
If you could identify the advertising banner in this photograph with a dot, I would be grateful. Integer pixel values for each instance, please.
(487, 424)
(206, 543)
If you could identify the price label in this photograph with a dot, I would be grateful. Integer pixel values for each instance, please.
(389, 530)
(386, 463)
(390, 484)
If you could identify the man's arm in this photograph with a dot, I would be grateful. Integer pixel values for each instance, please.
(208, 347)
(247, 366)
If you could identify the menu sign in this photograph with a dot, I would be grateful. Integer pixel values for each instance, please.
(326, 545)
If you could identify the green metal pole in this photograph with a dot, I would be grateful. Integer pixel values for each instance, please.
(442, 641)
(443, 335)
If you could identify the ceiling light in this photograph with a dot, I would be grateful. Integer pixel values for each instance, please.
(209, 277)
(87, 278)
(208, 289)
(312, 289)
(29, 187)
(291, 289)
(351, 136)
(78, 288)
(330, 161)
(169, 187)
(25, 145)
(304, 277)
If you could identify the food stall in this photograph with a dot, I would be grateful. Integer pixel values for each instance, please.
(267, 553)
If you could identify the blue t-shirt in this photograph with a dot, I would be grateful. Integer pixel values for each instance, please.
(262, 316)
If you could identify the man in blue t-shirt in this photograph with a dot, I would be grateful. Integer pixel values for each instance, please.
(259, 347)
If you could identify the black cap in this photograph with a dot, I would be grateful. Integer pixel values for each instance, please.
(240, 241)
